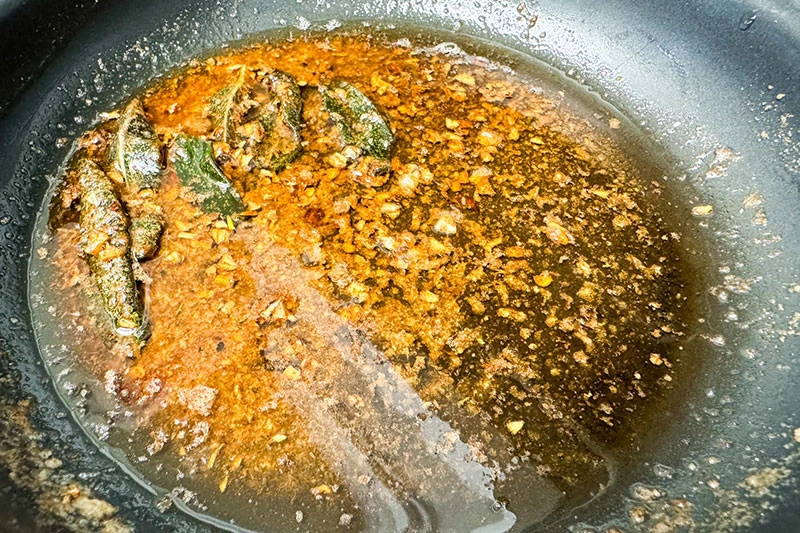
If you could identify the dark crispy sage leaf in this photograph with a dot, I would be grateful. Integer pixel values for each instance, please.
(261, 115)
(226, 107)
(145, 232)
(358, 120)
(280, 118)
(62, 208)
(194, 163)
(106, 245)
(137, 149)
(95, 145)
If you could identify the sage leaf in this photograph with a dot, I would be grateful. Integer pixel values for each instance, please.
(260, 114)
(225, 107)
(359, 122)
(106, 245)
(280, 117)
(137, 150)
(194, 164)
(145, 233)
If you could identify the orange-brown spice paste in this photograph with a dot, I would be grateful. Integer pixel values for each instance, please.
(511, 268)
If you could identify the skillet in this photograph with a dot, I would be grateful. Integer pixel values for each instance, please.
(709, 87)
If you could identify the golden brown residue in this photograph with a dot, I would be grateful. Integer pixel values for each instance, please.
(510, 269)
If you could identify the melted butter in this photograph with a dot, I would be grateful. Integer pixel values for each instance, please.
(438, 351)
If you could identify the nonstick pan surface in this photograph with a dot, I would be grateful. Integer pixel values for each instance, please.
(711, 87)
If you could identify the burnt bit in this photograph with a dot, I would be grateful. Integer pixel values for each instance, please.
(314, 216)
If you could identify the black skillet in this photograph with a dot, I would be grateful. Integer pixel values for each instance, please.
(695, 79)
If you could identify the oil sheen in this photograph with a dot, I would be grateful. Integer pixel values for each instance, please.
(469, 341)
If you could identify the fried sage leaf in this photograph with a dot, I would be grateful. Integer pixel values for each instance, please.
(106, 244)
(145, 232)
(194, 163)
(63, 205)
(359, 122)
(226, 107)
(137, 149)
(280, 118)
(95, 145)
(262, 116)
